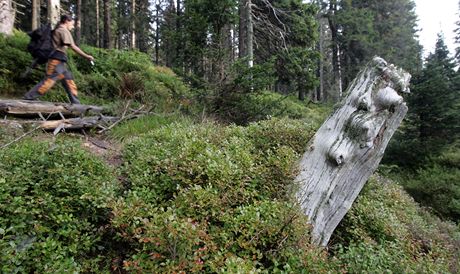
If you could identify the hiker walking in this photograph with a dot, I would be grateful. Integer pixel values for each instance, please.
(57, 64)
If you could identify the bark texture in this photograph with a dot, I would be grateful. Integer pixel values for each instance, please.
(72, 123)
(54, 8)
(33, 108)
(7, 15)
(35, 14)
(348, 147)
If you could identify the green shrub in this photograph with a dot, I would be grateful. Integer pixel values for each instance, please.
(267, 236)
(98, 85)
(14, 59)
(385, 231)
(184, 156)
(249, 79)
(132, 128)
(180, 155)
(437, 186)
(436, 183)
(52, 208)
(370, 258)
(201, 197)
(244, 108)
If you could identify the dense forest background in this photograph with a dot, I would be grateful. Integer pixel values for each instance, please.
(312, 50)
(251, 63)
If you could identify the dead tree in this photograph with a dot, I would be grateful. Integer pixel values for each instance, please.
(25, 108)
(348, 147)
(7, 15)
(101, 122)
(54, 8)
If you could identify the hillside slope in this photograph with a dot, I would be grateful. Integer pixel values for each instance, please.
(176, 192)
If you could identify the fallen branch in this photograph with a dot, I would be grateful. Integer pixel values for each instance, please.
(124, 117)
(20, 137)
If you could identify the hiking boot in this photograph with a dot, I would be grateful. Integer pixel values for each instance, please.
(75, 101)
(30, 99)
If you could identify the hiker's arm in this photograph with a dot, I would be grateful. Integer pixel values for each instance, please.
(81, 53)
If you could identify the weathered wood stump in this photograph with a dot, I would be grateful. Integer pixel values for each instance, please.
(348, 147)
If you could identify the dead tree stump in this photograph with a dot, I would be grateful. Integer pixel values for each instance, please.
(348, 147)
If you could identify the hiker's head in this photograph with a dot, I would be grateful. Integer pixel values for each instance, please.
(67, 21)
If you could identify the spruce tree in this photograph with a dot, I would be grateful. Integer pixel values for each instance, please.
(434, 99)
(373, 27)
(432, 121)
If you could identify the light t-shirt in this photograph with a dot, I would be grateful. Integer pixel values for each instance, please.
(62, 39)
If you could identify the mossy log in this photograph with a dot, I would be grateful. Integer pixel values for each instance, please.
(23, 108)
(348, 147)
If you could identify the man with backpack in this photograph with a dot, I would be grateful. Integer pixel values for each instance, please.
(57, 63)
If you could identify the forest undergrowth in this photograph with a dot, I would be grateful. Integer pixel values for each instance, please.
(190, 187)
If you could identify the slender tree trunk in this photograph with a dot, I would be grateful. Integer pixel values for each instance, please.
(337, 81)
(98, 27)
(349, 145)
(243, 30)
(78, 23)
(133, 24)
(250, 34)
(35, 14)
(169, 41)
(227, 49)
(179, 48)
(54, 7)
(246, 31)
(234, 43)
(302, 94)
(107, 25)
(7, 16)
(320, 95)
(157, 33)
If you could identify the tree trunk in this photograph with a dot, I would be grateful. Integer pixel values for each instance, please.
(250, 34)
(242, 31)
(336, 73)
(320, 95)
(34, 108)
(349, 146)
(133, 24)
(157, 33)
(301, 94)
(168, 42)
(35, 14)
(7, 16)
(78, 23)
(98, 25)
(179, 62)
(73, 123)
(54, 7)
(107, 25)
